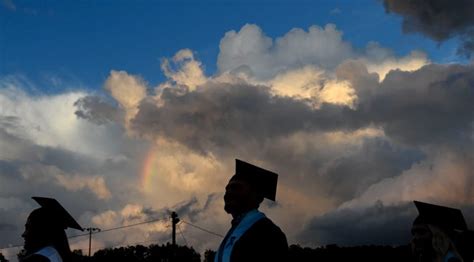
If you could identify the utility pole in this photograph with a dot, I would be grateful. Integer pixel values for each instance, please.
(91, 230)
(174, 221)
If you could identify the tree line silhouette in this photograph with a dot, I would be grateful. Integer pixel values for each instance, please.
(170, 253)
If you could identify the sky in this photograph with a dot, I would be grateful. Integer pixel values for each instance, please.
(125, 111)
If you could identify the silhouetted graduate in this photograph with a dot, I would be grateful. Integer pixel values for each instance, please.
(252, 237)
(436, 233)
(45, 239)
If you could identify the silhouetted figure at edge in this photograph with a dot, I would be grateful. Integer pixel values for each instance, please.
(436, 233)
(45, 239)
(252, 237)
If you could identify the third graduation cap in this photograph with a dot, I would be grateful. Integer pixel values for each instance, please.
(264, 180)
(57, 212)
(446, 217)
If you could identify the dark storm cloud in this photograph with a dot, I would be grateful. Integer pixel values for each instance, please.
(438, 19)
(97, 110)
(340, 172)
(377, 159)
(384, 225)
(192, 208)
(225, 115)
(431, 106)
(381, 224)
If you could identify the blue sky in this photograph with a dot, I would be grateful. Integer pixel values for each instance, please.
(124, 110)
(81, 41)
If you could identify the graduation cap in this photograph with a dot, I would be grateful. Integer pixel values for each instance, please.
(263, 180)
(57, 212)
(445, 217)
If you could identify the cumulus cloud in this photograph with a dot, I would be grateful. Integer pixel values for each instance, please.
(180, 170)
(264, 58)
(189, 72)
(381, 60)
(313, 85)
(127, 90)
(439, 20)
(251, 53)
(301, 64)
(96, 184)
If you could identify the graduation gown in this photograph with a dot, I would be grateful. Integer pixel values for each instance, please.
(46, 254)
(263, 241)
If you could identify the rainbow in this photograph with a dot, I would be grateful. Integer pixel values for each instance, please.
(150, 168)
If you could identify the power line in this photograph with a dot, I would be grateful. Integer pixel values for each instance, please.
(105, 230)
(131, 225)
(181, 232)
(203, 229)
(126, 244)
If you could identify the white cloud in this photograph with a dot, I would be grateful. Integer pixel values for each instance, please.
(314, 85)
(251, 48)
(96, 184)
(189, 72)
(127, 90)
(301, 64)
(45, 174)
(50, 120)
(107, 219)
(381, 60)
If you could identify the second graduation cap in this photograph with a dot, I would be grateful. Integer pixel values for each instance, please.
(264, 180)
(446, 217)
(57, 212)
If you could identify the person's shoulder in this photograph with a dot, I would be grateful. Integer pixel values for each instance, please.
(267, 223)
(35, 258)
(265, 241)
(266, 228)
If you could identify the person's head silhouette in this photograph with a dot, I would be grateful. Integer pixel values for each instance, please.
(44, 230)
(248, 187)
(435, 233)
